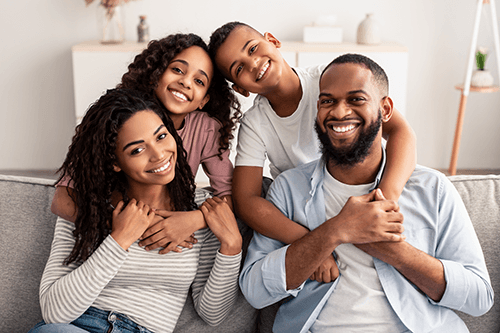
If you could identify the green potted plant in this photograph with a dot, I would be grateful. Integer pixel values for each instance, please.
(481, 76)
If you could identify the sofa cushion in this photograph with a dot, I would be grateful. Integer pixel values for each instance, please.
(27, 232)
(481, 195)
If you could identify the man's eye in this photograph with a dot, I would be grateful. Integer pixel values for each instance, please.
(326, 101)
(357, 99)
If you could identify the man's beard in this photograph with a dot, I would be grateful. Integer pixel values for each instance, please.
(353, 154)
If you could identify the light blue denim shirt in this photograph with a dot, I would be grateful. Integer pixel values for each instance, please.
(436, 222)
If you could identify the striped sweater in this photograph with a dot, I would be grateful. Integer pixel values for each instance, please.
(147, 287)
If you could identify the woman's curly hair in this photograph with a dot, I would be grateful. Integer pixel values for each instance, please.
(90, 160)
(145, 72)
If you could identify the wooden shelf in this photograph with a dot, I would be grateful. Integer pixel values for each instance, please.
(479, 89)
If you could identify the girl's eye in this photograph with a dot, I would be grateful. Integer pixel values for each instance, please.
(176, 69)
(200, 82)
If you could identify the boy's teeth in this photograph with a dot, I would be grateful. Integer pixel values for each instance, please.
(163, 168)
(179, 95)
(263, 71)
(342, 129)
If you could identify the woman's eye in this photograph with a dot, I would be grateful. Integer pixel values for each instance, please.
(136, 151)
(162, 136)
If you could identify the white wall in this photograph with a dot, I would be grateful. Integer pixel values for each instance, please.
(36, 87)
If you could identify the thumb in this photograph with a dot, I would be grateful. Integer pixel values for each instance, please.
(163, 213)
(368, 197)
(379, 196)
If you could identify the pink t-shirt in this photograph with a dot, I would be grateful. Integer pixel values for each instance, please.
(200, 138)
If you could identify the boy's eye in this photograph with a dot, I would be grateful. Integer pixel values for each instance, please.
(252, 49)
(238, 70)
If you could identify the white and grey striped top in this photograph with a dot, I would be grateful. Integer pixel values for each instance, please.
(147, 287)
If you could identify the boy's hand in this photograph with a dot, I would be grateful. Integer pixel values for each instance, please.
(327, 271)
(130, 222)
(172, 230)
(221, 221)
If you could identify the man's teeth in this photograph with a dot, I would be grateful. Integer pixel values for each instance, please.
(263, 71)
(163, 168)
(342, 129)
(179, 95)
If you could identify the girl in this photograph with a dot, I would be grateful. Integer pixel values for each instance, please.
(125, 161)
(179, 73)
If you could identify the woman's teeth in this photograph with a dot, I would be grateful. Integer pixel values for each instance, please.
(263, 71)
(163, 168)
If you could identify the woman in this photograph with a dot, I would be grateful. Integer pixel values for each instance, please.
(126, 161)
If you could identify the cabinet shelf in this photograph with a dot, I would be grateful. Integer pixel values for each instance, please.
(479, 89)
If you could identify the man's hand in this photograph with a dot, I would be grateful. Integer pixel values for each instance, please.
(327, 271)
(173, 230)
(365, 219)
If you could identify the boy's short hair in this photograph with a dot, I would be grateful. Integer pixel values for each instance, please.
(220, 35)
(378, 72)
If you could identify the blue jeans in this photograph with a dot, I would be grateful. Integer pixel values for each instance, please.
(93, 320)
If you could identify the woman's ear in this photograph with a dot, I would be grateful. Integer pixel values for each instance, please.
(387, 107)
(116, 168)
(204, 101)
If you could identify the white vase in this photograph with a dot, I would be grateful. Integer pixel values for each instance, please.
(110, 24)
(368, 31)
(481, 78)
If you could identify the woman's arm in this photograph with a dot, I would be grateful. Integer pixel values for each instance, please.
(401, 155)
(67, 291)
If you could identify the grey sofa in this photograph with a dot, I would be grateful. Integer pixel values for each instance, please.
(27, 228)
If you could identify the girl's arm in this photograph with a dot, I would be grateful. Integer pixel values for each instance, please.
(401, 155)
(62, 203)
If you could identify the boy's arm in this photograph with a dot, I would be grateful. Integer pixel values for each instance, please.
(401, 155)
(63, 205)
(260, 214)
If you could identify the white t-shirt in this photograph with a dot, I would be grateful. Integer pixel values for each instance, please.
(286, 141)
(358, 301)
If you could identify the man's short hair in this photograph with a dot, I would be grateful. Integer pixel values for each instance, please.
(378, 72)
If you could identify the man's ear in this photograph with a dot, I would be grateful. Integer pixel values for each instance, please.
(116, 168)
(387, 107)
(270, 38)
(240, 90)
(204, 101)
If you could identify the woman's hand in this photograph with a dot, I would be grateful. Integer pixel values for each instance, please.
(129, 223)
(171, 230)
(221, 221)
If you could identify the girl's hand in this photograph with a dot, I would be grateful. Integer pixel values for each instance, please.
(129, 223)
(221, 221)
(171, 230)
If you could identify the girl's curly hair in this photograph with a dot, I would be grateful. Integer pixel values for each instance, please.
(148, 67)
(89, 163)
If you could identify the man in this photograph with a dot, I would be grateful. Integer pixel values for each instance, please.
(400, 286)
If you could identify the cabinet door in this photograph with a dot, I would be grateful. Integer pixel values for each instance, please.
(395, 65)
(94, 73)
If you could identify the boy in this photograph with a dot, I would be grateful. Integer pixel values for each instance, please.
(280, 126)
